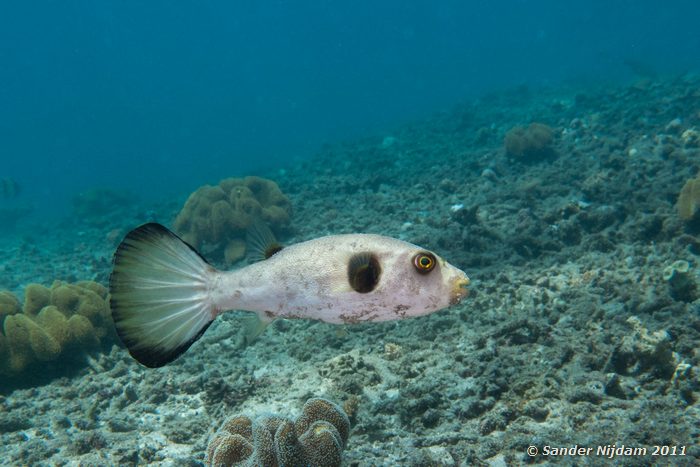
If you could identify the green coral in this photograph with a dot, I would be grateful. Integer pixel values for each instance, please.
(36, 297)
(9, 304)
(52, 321)
(530, 143)
(216, 218)
(317, 438)
(689, 199)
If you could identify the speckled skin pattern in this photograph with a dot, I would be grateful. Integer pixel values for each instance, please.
(310, 280)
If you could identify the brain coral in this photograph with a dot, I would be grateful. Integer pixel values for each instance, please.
(216, 218)
(51, 322)
(531, 143)
(316, 438)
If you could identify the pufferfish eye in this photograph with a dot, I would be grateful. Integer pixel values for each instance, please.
(424, 262)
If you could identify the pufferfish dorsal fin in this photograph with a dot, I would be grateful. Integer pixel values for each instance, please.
(261, 242)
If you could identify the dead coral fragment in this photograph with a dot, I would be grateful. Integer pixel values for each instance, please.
(681, 281)
(530, 144)
(316, 438)
(217, 217)
(643, 352)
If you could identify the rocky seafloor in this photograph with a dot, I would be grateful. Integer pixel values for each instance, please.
(573, 334)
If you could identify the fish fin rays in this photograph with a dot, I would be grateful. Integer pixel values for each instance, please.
(261, 242)
(159, 294)
(254, 324)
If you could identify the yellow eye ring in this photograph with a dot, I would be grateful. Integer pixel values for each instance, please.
(424, 262)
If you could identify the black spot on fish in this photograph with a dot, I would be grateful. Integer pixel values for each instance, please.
(363, 272)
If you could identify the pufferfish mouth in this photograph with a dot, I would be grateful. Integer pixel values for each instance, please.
(459, 290)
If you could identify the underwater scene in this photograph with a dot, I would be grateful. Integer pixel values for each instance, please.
(400, 233)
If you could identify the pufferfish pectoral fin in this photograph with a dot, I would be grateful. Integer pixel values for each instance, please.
(261, 242)
(159, 294)
(255, 324)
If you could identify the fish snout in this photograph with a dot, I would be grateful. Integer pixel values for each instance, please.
(459, 289)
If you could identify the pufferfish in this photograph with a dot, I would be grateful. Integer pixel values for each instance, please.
(164, 294)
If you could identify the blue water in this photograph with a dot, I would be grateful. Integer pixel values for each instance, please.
(161, 97)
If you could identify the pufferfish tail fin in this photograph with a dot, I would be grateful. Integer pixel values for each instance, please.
(159, 294)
